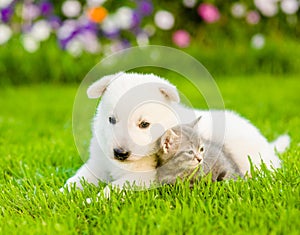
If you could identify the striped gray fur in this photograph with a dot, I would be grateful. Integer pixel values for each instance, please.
(184, 154)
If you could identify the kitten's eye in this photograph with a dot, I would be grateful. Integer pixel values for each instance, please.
(112, 120)
(144, 124)
(201, 149)
(191, 152)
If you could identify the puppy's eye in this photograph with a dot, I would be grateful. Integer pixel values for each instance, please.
(144, 124)
(112, 120)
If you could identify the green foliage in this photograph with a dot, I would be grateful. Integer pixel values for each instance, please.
(38, 155)
(49, 64)
(279, 56)
(223, 46)
(52, 65)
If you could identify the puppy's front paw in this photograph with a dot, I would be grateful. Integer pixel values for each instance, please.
(106, 192)
(68, 187)
(90, 200)
(62, 190)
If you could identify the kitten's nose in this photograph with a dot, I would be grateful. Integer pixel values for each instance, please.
(121, 154)
(198, 157)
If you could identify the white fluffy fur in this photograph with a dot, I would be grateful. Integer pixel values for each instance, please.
(240, 137)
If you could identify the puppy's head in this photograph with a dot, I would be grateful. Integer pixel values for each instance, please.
(135, 109)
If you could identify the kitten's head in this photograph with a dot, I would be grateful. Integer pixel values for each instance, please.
(181, 154)
(181, 144)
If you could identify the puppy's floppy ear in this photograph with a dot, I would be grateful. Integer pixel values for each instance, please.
(97, 88)
(167, 140)
(194, 123)
(170, 93)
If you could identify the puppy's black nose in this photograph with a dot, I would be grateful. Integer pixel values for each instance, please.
(121, 154)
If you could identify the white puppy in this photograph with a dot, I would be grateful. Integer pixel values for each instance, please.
(136, 109)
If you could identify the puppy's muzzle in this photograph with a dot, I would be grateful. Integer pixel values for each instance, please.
(121, 154)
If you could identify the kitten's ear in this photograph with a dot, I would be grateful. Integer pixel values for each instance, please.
(194, 123)
(98, 88)
(167, 140)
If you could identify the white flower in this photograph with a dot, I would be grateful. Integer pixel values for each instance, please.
(268, 8)
(41, 30)
(30, 44)
(258, 41)
(289, 7)
(164, 20)
(110, 24)
(66, 29)
(189, 3)
(149, 29)
(5, 33)
(238, 10)
(85, 41)
(142, 39)
(124, 17)
(75, 47)
(5, 3)
(90, 42)
(71, 8)
(95, 3)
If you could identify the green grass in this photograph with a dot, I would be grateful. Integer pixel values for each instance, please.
(217, 52)
(38, 154)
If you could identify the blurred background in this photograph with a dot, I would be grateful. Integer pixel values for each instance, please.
(60, 41)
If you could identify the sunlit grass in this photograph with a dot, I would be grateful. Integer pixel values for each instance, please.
(38, 154)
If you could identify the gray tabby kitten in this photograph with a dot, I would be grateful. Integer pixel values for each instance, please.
(184, 154)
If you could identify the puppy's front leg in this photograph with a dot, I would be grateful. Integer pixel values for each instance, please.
(134, 181)
(83, 173)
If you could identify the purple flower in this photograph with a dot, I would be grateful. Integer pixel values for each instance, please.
(66, 32)
(111, 34)
(145, 8)
(6, 14)
(74, 29)
(55, 22)
(126, 43)
(136, 19)
(91, 26)
(63, 43)
(46, 8)
(208, 12)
